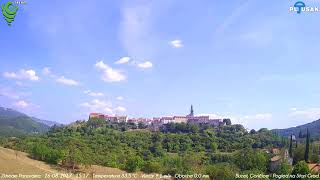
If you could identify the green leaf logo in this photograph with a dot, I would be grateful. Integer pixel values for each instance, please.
(9, 12)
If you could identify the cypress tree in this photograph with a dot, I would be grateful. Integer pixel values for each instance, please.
(300, 134)
(306, 153)
(290, 146)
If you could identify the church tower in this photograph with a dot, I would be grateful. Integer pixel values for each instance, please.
(191, 111)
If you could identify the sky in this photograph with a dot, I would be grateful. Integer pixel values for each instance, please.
(252, 61)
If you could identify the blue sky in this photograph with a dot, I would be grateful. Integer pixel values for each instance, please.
(252, 61)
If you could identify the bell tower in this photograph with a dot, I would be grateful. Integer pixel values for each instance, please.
(191, 111)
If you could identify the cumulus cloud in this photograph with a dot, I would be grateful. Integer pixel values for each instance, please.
(307, 114)
(145, 65)
(66, 81)
(246, 120)
(97, 105)
(93, 94)
(120, 98)
(262, 116)
(120, 109)
(176, 43)
(12, 94)
(102, 106)
(8, 93)
(123, 60)
(22, 74)
(109, 74)
(212, 115)
(21, 104)
(46, 71)
(21, 84)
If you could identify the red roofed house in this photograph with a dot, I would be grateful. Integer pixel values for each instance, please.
(96, 115)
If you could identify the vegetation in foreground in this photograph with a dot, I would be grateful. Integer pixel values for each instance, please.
(177, 149)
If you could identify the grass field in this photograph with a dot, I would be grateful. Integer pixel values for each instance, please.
(13, 163)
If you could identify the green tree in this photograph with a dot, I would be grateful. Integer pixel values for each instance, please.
(284, 168)
(133, 164)
(77, 153)
(227, 121)
(96, 122)
(300, 134)
(301, 168)
(152, 167)
(290, 146)
(249, 159)
(222, 171)
(306, 153)
(298, 154)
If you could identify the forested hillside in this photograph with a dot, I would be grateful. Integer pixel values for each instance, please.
(300, 131)
(14, 123)
(183, 148)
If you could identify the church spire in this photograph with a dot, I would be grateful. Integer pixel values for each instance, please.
(191, 110)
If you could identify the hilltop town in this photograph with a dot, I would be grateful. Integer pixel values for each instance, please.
(157, 122)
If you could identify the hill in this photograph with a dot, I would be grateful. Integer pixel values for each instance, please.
(46, 122)
(314, 129)
(16, 162)
(10, 112)
(7, 112)
(14, 123)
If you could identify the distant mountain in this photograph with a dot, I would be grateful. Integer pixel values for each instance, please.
(13, 113)
(314, 129)
(10, 112)
(14, 123)
(46, 122)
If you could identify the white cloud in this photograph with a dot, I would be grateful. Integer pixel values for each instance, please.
(21, 84)
(123, 60)
(97, 105)
(46, 71)
(236, 13)
(21, 104)
(254, 120)
(212, 115)
(245, 120)
(306, 114)
(22, 74)
(93, 94)
(176, 43)
(120, 98)
(262, 116)
(102, 106)
(8, 93)
(109, 74)
(120, 109)
(66, 81)
(293, 109)
(145, 65)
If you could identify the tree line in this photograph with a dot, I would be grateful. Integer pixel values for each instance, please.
(180, 148)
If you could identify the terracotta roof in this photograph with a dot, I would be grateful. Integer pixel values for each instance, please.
(314, 167)
(94, 113)
(275, 151)
(275, 158)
